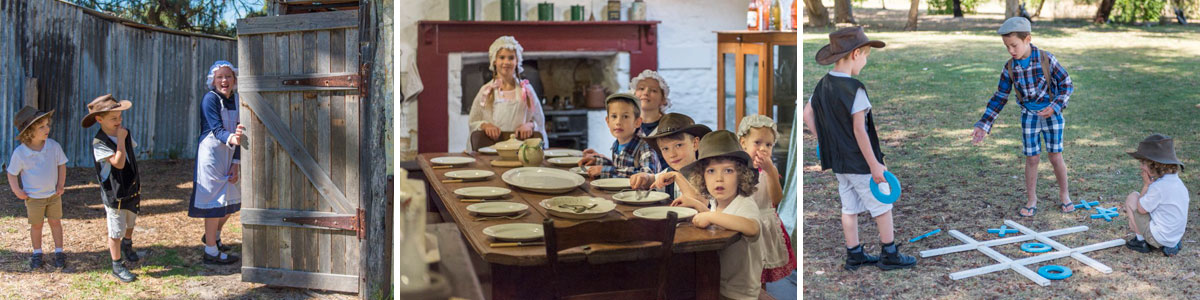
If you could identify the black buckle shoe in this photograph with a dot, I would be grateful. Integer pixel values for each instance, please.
(127, 251)
(60, 260)
(856, 257)
(891, 259)
(216, 259)
(220, 247)
(35, 261)
(1138, 245)
(121, 273)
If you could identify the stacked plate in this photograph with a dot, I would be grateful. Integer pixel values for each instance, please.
(543, 180)
(578, 207)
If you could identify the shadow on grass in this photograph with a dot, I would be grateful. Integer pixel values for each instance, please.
(156, 261)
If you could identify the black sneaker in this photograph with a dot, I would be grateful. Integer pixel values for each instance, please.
(1138, 245)
(216, 259)
(220, 247)
(891, 259)
(856, 257)
(121, 273)
(35, 261)
(60, 260)
(1171, 251)
(127, 250)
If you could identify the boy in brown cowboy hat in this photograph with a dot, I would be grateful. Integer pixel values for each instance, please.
(1158, 214)
(723, 174)
(839, 113)
(1042, 88)
(117, 172)
(675, 140)
(39, 166)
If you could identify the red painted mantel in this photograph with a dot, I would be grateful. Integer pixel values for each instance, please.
(437, 39)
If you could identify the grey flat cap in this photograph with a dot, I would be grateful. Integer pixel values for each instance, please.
(1015, 24)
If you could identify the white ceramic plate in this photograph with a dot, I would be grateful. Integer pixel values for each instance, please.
(565, 161)
(630, 197)
(470, 174)
(452, 160)
(488, 150)
(485, 192)
(555, 206)
(543, 180)
(489, 209)
(611, 183)
(660, 212)
(516, 232)
(562, 152)
(579, 170)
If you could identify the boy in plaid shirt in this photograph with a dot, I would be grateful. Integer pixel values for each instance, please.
(1042, 89)
(631, 154)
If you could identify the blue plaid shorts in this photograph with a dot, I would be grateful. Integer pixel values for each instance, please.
(1035, 130)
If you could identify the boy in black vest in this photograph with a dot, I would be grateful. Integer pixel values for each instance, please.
(1042, 87)
(839, 113)
(116, 170)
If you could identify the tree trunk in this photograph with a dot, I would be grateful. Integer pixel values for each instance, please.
(843, 12)
(1011, 9)
(1039, 10)
(912, 16)
(958, 13)
(1104, 11)
(818, 15)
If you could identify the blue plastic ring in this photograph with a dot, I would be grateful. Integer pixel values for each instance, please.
(1035, 247)
(893, 183)
(1060, 272)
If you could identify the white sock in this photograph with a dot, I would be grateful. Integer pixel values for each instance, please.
(57, 250)
(210, 250)
(1140, 238)
(37, 251)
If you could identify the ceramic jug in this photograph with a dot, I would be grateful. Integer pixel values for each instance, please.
(530, 153)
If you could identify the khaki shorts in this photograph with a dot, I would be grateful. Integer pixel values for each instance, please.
(1143, 224)
(855, 191)
(119, 220)
(45, 208)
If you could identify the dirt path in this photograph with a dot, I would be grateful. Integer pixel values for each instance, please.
(169, 240)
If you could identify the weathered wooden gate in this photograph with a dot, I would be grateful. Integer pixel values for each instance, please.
(299, 89)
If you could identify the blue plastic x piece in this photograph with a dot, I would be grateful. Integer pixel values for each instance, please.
(1107, 213)
(1003, 230)
(1084, 204)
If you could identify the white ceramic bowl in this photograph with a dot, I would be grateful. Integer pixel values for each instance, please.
(560, 207)
(543, 180)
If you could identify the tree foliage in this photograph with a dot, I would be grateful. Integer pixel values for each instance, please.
(946, 7)
(203, 16)
(1129, 11)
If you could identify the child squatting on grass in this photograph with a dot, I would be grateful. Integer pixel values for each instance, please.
(1042, 87)
(1158, 214)
(839, 113)
(37, 174)
(724, 175)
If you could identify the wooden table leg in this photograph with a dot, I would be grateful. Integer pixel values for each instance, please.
(708, 275)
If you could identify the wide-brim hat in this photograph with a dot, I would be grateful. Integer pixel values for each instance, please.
(720, 143)
(1158, 148)
(673, 123)
(28, 116)
(842, 42)
(103, 104)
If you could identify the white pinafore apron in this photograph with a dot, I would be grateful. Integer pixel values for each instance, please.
(213, 160)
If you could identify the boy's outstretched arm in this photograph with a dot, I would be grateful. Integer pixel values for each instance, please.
(994, 106)
(864, 146)
(746, 226)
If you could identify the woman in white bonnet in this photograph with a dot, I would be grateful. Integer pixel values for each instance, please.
(505, 106)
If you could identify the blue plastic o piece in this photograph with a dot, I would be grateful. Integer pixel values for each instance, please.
(1054, 272)
(893, 183)
(1035, 247)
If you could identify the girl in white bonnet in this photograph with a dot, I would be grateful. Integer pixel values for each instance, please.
(505, 106)
(651, 90)
(757, 135)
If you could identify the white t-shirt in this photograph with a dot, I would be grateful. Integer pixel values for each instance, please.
(741, 262)
(1167, 201)
(101, 152)
(860, 97)
(38, 169)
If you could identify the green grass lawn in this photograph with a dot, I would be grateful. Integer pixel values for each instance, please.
(928, 88)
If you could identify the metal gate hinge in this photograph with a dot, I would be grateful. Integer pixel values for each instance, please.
(352, 81)
(357, 223)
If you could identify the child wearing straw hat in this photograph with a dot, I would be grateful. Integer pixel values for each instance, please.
(1158, 213)
(37, 174)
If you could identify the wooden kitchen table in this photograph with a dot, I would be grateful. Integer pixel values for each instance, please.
(522, 272)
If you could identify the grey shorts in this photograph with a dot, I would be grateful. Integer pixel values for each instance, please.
(119, 220)
(855, 191)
